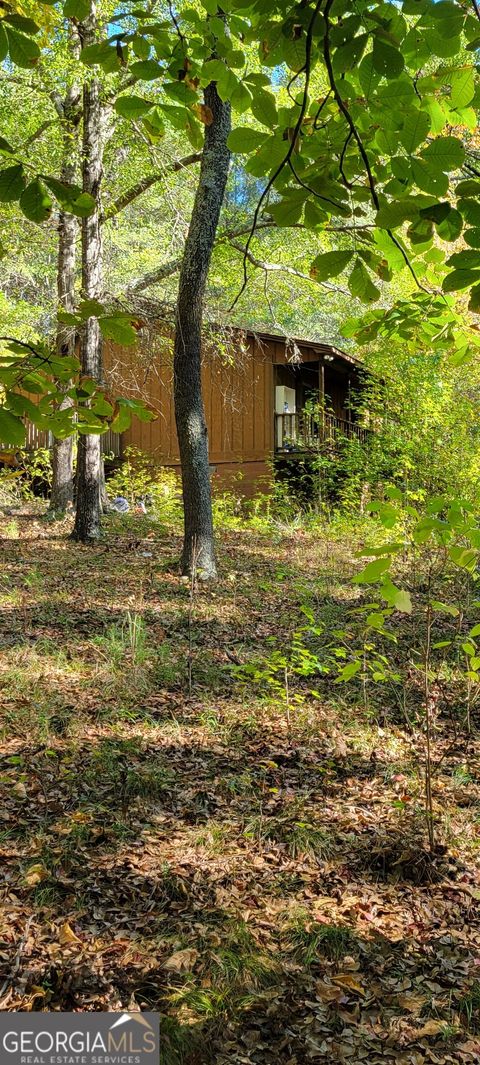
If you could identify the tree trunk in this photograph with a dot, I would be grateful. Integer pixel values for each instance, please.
(89, 459)
(198, 547)
(62, 452)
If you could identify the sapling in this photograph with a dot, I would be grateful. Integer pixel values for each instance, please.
(446, 540)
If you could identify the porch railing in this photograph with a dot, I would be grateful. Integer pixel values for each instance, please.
(309, 432)
(111, 443)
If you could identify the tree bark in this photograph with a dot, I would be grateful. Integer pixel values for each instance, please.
(68, 110)
(89, 457)
(62, 452)
(198, 546)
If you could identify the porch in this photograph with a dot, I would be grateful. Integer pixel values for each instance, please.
(316, 404)
(303, 431)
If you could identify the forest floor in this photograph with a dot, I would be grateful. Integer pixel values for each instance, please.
(166, 844)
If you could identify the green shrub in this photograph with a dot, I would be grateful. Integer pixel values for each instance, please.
(140, 478)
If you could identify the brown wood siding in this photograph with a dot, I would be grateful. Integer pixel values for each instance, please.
(238, 398)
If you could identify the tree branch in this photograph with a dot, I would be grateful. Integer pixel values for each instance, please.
(173, 266)
(154, 277)
(291, 149)
(358, 140)
(270, 268)
(146, 183)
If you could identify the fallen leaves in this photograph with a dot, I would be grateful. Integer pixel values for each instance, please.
(182, 961)
(20, 790)
(432, 1027)
(412, 1002)
(35, 874)
(349, 982)
(67, 937)
(133, 840)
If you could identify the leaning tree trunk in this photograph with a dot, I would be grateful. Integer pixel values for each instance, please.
(198, 547)
(89, 458)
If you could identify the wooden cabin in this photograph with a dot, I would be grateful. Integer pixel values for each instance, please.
(258, 392)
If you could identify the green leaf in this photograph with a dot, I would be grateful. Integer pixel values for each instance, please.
(104, 55)
(90, 309)
(387, 60)
(241, 98)
(70, 197)
(462, 354)
(349, 671)
(460, 279)
(465, 260)
(141, 47)
(22, 405)
(400, 599)
(470, 210)
(429, 178)
(368, 76)
(35, 202)
(373, 571)
(464, 557)
(19, 22)
(445, 608)
(469, 187)
(12, 183)
(462, 85)
(12, 429)
(243, 139)
(3, 44)
(132, 106)
(23, 51)
(396, 94)
(118, 328)
(451, 226)
(330, 264)
(289, 210)
(264, 108)
(474, 302)
(414, 130)
(121, 421)
(445, 153)
(147, 70)
(77, 9)
(361, 285)
(349, 54)
(394, 214)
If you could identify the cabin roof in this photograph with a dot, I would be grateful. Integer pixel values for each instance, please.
(313, 345)
(159, 310)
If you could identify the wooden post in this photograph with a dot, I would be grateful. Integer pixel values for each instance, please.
(321, 394)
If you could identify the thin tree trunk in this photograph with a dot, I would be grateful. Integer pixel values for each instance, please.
(89, 459)
(198, 547)
(62, 452)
